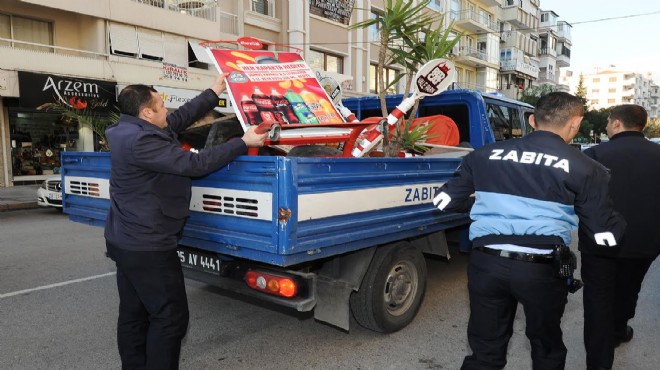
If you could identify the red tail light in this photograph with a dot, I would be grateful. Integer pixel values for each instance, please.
(271, 284)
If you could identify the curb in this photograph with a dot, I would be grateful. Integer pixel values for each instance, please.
(18, 206)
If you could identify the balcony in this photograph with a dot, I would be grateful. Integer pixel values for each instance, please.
(518, 40)
(519, 18)
(474, 22)
(476, 58)
(564, 32)
(205, 9)
(520, 66)
(564, 58)
(491, 2)
(547, 77)
(547, 52)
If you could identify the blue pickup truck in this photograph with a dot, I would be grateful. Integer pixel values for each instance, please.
(338, 236)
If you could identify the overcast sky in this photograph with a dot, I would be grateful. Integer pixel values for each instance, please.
(612, 32)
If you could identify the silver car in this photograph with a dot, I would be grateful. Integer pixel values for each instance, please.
(49, 194)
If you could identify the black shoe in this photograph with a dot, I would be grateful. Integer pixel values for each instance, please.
(627, 336)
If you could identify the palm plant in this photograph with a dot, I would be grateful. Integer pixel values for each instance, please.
(86, 117)
(408, 36)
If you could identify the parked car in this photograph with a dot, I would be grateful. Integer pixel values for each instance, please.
(49, 194)
(655, 140)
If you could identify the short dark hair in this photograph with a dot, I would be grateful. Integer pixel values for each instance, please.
(557, 108)
(632, 116)
(133, 98)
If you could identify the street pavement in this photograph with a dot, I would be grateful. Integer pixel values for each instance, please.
(58, 307)
(18, 197)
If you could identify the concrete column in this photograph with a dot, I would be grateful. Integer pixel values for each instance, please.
(298, 31)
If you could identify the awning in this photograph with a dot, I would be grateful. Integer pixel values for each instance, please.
(202, 54)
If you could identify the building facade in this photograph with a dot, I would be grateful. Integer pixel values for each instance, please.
(79, 53)
(607, 87)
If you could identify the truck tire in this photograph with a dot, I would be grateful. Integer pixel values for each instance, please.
(392, 289)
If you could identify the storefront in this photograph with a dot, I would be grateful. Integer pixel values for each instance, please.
(45, 120)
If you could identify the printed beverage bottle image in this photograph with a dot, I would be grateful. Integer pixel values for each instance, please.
(264, 105)
(251, 111)
(283, 108)
(330, 111)
(299, 107)
(314, 106)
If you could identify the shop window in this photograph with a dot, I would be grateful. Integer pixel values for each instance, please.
(390, 74)
(27, 30)
(325, 61)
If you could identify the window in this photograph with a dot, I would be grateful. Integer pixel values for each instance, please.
(436, 5)
(143, 43)
(265, 7)
(504, 121)
(390, 76)
(612, 79)
(611, 91)
(611, 101)
(27, 30)
(595, 91)
(455, 9)
(374, 29)
(325, 61)
(596, 80)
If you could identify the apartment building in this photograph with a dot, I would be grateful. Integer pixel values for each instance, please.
(554, 49)
(519, 46)
(607, 87)
(66, 50)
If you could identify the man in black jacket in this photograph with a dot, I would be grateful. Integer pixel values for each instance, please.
(150, 190)
(613, 279)
(528, 193)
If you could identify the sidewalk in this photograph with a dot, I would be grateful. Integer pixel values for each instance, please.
(18, 197)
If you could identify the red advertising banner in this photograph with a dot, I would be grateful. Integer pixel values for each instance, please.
(274, 86)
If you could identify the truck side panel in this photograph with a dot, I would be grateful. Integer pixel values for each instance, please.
(284, 211)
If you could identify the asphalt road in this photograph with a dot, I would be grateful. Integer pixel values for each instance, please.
(58, 309)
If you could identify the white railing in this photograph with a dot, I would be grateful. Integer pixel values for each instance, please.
(228, 23)
(205, 9)
(53, 49)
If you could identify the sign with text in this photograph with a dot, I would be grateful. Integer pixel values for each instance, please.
(37, 89)
(334, 10)
(274, 86)
(175, 98)
(174, 72)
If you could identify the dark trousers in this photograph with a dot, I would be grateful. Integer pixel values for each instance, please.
(496, 286)
(153, 308)
(611, 289)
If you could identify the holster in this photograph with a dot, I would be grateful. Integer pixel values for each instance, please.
(565, 262)
(565, 265)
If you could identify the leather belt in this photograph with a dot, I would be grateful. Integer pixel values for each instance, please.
(518, 256)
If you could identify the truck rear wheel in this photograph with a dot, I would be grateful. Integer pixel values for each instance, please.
(392, 289)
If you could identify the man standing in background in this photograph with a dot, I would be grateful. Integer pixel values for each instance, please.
(613, 277)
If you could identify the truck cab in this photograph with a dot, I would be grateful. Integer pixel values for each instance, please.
(481, 118)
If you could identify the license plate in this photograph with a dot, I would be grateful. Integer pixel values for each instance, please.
(199, 260)
(55, 196)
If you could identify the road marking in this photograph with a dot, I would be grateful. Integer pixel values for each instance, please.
(25, 291)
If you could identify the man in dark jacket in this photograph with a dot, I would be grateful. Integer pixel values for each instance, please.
(528, 193)
(613, 279)
(150, 190)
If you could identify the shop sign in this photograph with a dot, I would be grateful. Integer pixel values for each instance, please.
(37, 89)
(334, 10)
(174, 72)
(250, 43)
(175, 98)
